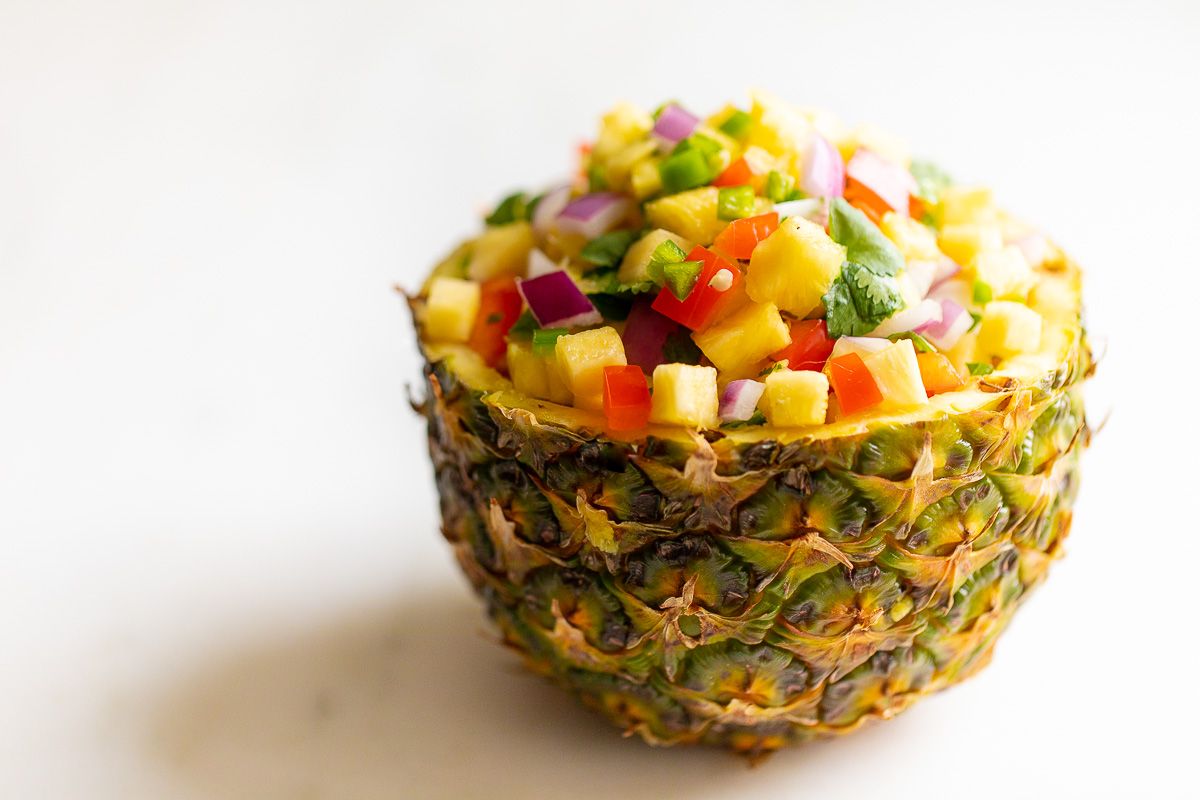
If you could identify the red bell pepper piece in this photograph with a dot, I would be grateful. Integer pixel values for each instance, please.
(626, 398)
(499, 307)
(736, 174)
(853, 384)
(705, 302)
(741, 236)
(865, 200)
(810, 345)
(938, 374)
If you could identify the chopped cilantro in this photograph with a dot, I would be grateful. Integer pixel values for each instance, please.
(774, 366)
(681, 277)
(494, 318)
(921, 344)
(981, 293)
(524, 327)
(976, 369)
(735, 202)
(737, 124)
(757, 418)
(613, 306)
(865, 243)
(680, 349)
(859, 300)
(607, 249)
(513, 208)
(931, 180)
(544, 340)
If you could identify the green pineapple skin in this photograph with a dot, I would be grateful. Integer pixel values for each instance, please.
(753, 594)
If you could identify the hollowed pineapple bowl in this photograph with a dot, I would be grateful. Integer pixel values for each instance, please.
(756, 430)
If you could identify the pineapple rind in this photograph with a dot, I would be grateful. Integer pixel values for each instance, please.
(755, 588)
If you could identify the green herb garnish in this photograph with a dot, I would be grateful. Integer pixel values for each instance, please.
(931, 180)
(859, 300)
(680, 349)
(596, 180)
(977, 369)
(735, 202)
(607, 249)
(513, 208)
(681, 276)
(524, 327)
(865, 243)
(920, 343)
(614, 306)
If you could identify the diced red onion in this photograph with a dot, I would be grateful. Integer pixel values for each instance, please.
(739, 400)
(593, 214)
(539, 264)
(556, 302)
(911, 318)
(921, 274)
(549, 207)
(813, 209)
(947, 268)
(890, 182)
(946, 332)
(954, 289)
(1034, 247)
(674, 124)
(824, 173)
(857, 344)
(645, 335)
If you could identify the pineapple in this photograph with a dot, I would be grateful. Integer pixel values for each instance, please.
(1006, 273)
(915, 241)
(1008, 329)
(966, 204)
(535, 375)
(963, 242)
(794, 267)
(451, 309)
(500, 252)
(581, 359)
(635, 264)
(898, 376)
(799, 397)
(684, 395)
(745, 337)
(691, 214)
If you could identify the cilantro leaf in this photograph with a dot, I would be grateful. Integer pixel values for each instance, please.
(865, 244)
(513, 208)
(524, 327)
(607, 249)
(931, 180)
(680, 349)
(859, 300)
(611, 305)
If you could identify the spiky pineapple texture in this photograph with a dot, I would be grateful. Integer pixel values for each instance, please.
(727, 589)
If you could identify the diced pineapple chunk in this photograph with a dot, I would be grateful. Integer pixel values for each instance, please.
(450, 309)
(1008, 329)
(778, 127)
(794, 266)
(501, 251)
(535, 375)
(793, 398)
(1006, 271)
(966, 204)
(963, 242)
(916, 242)
(747, 336)
(645, 178)
(684, 395)
(619, 167)
(883, 143)
(1055, 298)
(582, 358)
(898, 376)
(637, 257)
(622, 126)
(691, 214)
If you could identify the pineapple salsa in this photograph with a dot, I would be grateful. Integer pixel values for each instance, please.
(757, 267)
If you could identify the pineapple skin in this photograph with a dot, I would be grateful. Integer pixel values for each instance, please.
(741, 591)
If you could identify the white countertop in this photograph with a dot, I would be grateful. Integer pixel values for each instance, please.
(221, 572)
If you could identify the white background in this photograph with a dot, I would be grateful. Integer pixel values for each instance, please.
(220, 571)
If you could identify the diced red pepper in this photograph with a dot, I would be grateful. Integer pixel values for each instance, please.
(938, 374)
(810, 345)
(499, 307)
(626, 398)
(705, 302)
(741, 236)
(865, 200)
(736, 174)
(853, 383)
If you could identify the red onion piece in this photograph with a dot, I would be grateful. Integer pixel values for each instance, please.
(890, 182)
(954, 289)
(739, 400)
(947, 268)
(593, 214)
(556, 302)
(921, 274)
(645, 336)
(824, 173)
(1034, 247)
(911, 318)
(549, 207)
(539, 264)
(674, 124)
(813, 209)
(946, 332)
(863, 345)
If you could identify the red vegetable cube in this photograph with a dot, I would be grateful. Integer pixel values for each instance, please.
(741, 236)
(499, 307)
(853, 384)
(708, 297)
(810, 345)
(626, 398)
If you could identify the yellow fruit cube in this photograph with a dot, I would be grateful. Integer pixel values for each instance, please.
(691, 214)
(794, 266)
(915, 241)
(1054, 297)
(582, 358)
(966, 204)
(794, 398)
(622, 126)
(898, 376)
(1006, 271)
(501, 251)
(644, 178)
(536, 376)
(450, 309)
(963, 242)
(684, 395)
(1008, 329)
(637, 257)
(748, 335)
